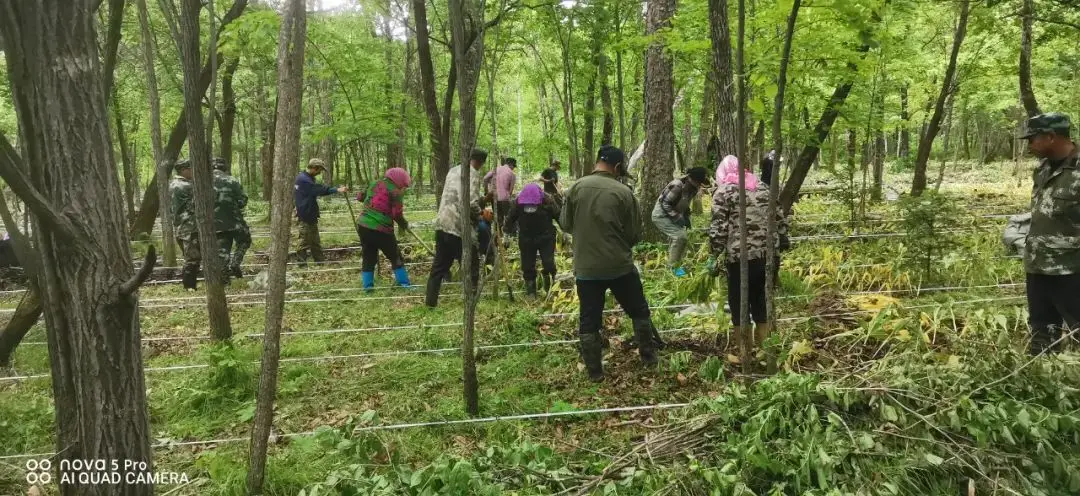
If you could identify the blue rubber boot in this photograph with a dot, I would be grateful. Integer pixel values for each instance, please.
(401, 276)
(369, 280)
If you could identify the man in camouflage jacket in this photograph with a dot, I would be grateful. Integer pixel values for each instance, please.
(182, 207)
(449, 224)
(671, 214)
(1052, 249)
(233, 233)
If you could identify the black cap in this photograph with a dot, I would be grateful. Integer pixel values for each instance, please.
(510, 162)
(611, 155)
(1049, 123)
(699, 174)
(182, 164)
(479, 155)
(220, 164)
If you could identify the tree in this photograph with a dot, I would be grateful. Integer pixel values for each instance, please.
(70, 184)
(467, 35)
(659, 119)
(1027, 95)
(148, 210)
(199, 151)
(724, 84)
(161, 166)
(286, 156)
(778, 146)
(918, 185)
(438, 122)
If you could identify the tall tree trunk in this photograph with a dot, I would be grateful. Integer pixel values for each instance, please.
(89, 284)
(213, 269)
(620, 88)
(744, 334)
(905, 123)
(286, 154)
(467, 33)
(778, 144)
(947, 88)
(438, 124)
(1027, 94)
(879, 166)
(148, 211)
(605, 100)
(566, 97)
(395, 150)
(720, 35)
(161, 167)
(659, 121)
(125, 159)
(266, 157)
(706, 121)
(590, 114)
(228, 110)
(946, 141)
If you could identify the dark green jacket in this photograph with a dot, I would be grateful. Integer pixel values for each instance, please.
(1053, 241)
(602, 215)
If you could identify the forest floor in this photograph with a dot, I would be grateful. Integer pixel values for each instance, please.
(859, 327)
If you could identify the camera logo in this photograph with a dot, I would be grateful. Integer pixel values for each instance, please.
(39, 471)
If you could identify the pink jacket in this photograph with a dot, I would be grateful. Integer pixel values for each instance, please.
(505, 181)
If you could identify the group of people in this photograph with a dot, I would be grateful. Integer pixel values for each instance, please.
(232, 231)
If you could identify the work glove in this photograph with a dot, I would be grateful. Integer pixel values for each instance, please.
(785, 242)
(403, 224)
(683, 220)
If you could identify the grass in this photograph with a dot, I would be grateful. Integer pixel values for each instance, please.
(333, 397)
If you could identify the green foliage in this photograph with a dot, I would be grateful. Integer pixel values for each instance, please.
(927, 220)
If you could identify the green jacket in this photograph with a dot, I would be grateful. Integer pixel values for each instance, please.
(229, 203)
(1053, 241)
(182, 199)
(602, 215)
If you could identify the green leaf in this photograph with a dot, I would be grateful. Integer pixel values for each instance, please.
(756, 107)
(1023, 418)
(889, 413)
(934, 459)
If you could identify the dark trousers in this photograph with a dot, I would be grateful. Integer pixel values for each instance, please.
(757, 291)
(502, 210)
(626, 289)
(372, 242)
(483, 240)
(447, 251)
(545, 247)
(1053, 304)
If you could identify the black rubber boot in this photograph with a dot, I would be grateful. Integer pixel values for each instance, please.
(236, 272)
(546, 282)
(1042, 339)
(431, 298)
(592, 353)
(644, 336)
(530, 288)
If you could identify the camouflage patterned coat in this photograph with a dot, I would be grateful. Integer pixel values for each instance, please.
(229, 203)
(182, 207)
(724, 233)
(1053, 241)
(448, 219)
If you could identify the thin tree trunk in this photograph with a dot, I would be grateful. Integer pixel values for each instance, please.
(467, 32)
(605, 100)
(947, 88)
(879, 166)
(290, 84)
(706, 121)
(125, 159)
(720, 36)
(945, 142)
(905, 123)
(659, 121)
(620, 87)
(1027, 94)
(438, 124)
(228, 110)
(220, 328)
(89, 286)
(774, 184)
(744, 333)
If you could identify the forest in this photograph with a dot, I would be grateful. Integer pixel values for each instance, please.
(897, 362)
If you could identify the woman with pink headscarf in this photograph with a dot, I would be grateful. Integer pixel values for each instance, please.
(383, 208)
(726, 241)
(533, 214)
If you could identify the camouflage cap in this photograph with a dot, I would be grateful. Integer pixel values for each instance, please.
(1049, 123)
(182, 164)
(316, 163)
(221, 164)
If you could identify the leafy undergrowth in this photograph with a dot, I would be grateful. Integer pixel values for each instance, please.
(910, 392)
